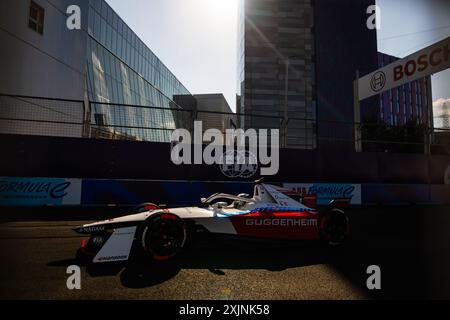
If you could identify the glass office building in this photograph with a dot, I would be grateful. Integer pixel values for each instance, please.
(410, 102)
(325, 42)
(272, 35)
(123, 72)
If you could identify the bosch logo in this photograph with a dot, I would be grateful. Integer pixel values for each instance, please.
(378, 81)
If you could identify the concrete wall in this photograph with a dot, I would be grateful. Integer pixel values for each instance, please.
(127, 172)
(214, 103)
(49, 65)
(32, 156)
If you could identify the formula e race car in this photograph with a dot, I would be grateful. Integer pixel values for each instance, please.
(160, 234)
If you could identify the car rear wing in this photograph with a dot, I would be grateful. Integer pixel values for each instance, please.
(340, 203)
(310, 201)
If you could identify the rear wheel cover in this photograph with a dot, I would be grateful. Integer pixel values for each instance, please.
(163, 236)
(334, 227)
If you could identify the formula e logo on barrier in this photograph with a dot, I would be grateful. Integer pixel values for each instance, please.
(55, 191)
(39, 191)
(378, 81)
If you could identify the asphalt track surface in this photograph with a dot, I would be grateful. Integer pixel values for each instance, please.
(410, 245)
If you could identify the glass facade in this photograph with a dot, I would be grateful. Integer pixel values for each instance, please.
(271, 33)
(410, 101)
(124, 76)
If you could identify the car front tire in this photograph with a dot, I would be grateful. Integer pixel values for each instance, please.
(162, 236)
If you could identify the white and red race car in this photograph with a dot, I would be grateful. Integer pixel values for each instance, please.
(162, 233)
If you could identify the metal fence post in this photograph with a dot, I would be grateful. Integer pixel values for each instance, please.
(357, 114)
(86, 119)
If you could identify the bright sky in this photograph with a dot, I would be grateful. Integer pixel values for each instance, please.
(197, 39)
(410, 25)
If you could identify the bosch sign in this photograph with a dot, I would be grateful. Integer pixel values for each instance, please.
(438, 56)
(423, 63)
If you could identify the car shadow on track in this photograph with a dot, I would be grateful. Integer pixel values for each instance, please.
(410, 245)
(215, 256)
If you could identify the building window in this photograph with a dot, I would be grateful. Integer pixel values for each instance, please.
(99, 119)
(36, 18)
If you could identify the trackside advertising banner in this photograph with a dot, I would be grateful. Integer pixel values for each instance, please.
(326, 192)
(92, 192)
(39, 191)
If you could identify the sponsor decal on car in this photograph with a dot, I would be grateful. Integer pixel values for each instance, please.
(283, 222)
(91, 229)
(116, 258)
(282, 209)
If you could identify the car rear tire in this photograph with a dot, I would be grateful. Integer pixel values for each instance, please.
(163, 236)
(147, 206)
(334, 227)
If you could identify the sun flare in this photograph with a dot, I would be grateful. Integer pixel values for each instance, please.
(220, 8)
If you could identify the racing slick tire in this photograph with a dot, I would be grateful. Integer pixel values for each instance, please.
(147, 206)
(162, 236)
(334, 227)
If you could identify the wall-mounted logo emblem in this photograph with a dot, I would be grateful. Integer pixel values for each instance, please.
(239, 164)
(239, 153)
(378, 81)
